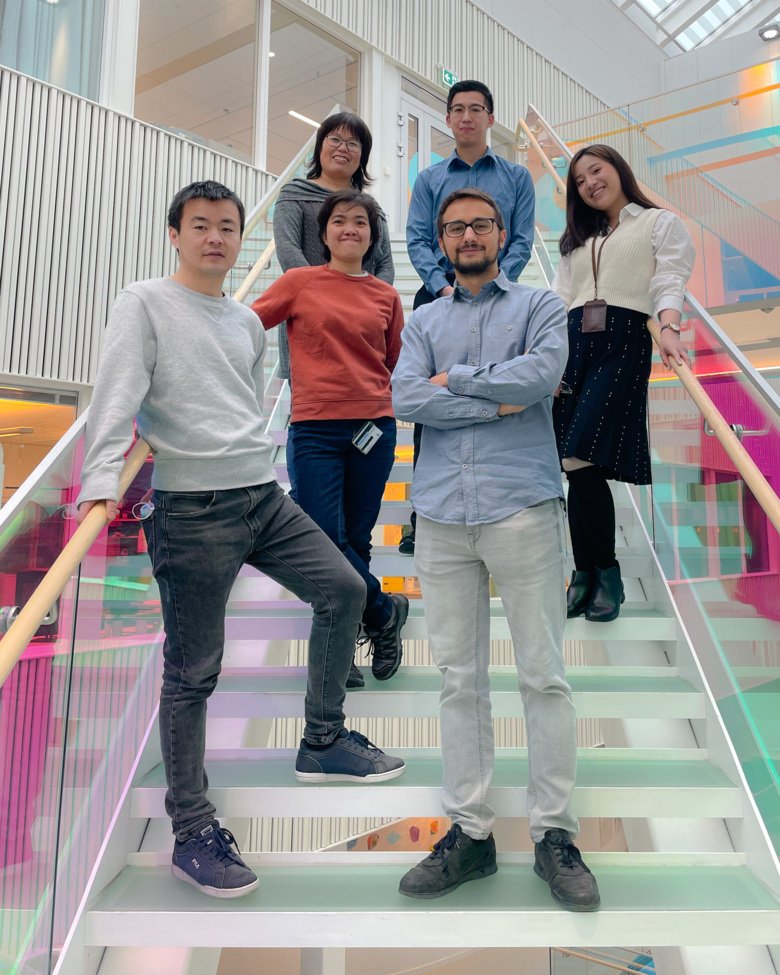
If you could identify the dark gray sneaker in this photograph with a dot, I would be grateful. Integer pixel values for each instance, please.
(385, 645)
(558, 861)
(455, 859)
(207, 862)
(350, 758)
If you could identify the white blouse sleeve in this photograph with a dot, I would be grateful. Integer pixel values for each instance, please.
(674, 256)
(561, 284)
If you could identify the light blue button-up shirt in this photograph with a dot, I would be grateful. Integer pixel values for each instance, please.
(510, 186)
(508, 344)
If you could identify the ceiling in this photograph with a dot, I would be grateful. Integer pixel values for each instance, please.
(683, 25)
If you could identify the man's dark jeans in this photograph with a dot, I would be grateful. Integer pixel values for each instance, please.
(341, 489)
(198, 541)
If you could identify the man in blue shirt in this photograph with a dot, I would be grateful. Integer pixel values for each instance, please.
(473, 163)
(478, 370)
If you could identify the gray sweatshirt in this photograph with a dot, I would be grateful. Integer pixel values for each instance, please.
(189, 369)
(298, 242)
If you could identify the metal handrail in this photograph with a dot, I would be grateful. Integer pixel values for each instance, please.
(752, 476)
(49, 589)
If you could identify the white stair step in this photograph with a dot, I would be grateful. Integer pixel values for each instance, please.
(641, 783)
(331, 906)
(289, 620)
(414, 692)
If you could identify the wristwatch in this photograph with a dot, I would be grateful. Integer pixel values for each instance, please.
(674, 328)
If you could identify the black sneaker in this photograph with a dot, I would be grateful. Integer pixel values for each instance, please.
(385, 645)
(558, 861)
(455, 859)
(406, 545)
(207, 862)
(350, 758)
(355, 677)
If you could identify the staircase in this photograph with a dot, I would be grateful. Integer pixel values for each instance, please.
(693, 870)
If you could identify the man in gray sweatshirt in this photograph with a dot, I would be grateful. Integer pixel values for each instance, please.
(186, 362)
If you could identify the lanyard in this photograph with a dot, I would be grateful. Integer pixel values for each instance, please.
(596, 261)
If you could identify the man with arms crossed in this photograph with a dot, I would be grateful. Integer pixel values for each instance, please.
(187, 362)
(473, 163)
(478, 369)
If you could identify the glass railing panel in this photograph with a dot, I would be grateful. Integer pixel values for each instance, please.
(719, 551)
(74, 708)
(708, 152)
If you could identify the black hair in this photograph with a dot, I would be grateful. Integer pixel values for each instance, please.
(209, 189)
(462, 86)
(468, 193)
(356, 127)
(583, 221)
(354, 199)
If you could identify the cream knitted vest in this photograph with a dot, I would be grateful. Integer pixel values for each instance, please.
(627, 265)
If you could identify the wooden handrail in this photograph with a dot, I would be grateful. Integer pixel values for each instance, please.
(48, 590)
(256, 270)
(744, 463)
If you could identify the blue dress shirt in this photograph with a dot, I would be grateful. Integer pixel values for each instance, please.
(511, 187)
(508, 344)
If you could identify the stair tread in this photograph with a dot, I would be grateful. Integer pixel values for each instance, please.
(360, 906)
(628, 768)
(415, 691)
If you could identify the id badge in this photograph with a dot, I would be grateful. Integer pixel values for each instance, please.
(365, 437)
(594, 315)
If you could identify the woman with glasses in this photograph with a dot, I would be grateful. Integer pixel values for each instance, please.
(339, 162)
(623, 260)
(345, 337)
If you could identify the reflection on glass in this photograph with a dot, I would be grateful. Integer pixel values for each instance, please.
(442, 145)
(309, 73)
(59, 43)
(719, 550)
(412, 152)
(73, 710)
(195, 72)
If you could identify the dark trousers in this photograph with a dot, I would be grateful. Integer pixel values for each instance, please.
(341, 490)
(198, 541)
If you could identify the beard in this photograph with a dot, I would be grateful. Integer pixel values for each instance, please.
(475, 266)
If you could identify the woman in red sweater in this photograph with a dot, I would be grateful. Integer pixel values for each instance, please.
(344, 329)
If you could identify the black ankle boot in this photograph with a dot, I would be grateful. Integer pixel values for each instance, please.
(607, 596)
(579, 591)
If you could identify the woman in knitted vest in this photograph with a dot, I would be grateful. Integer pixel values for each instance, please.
(623, 260)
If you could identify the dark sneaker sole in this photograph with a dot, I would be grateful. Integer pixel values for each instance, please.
(479, 874)
(403, 614)
(568, 905)
(223, 894)
(393, 773)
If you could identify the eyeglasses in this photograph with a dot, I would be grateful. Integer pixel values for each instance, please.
(460, 110)
(335, 141)
(480, 226)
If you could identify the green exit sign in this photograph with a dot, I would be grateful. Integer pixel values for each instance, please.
(448, 78)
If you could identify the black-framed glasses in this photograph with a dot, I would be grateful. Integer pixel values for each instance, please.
(335, 141)
(480, 226)
(459, 110)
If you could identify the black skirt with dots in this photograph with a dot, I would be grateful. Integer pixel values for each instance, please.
(604, 418)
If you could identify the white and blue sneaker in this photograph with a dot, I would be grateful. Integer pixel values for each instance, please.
(207, 861)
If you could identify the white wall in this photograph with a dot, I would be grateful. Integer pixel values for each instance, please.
(591, 40)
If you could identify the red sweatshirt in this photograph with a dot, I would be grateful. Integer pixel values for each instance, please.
(345, 338)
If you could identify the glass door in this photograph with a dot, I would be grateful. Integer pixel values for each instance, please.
(424, 140)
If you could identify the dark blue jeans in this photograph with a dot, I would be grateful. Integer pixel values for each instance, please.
(198, 541)
(341, 489)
